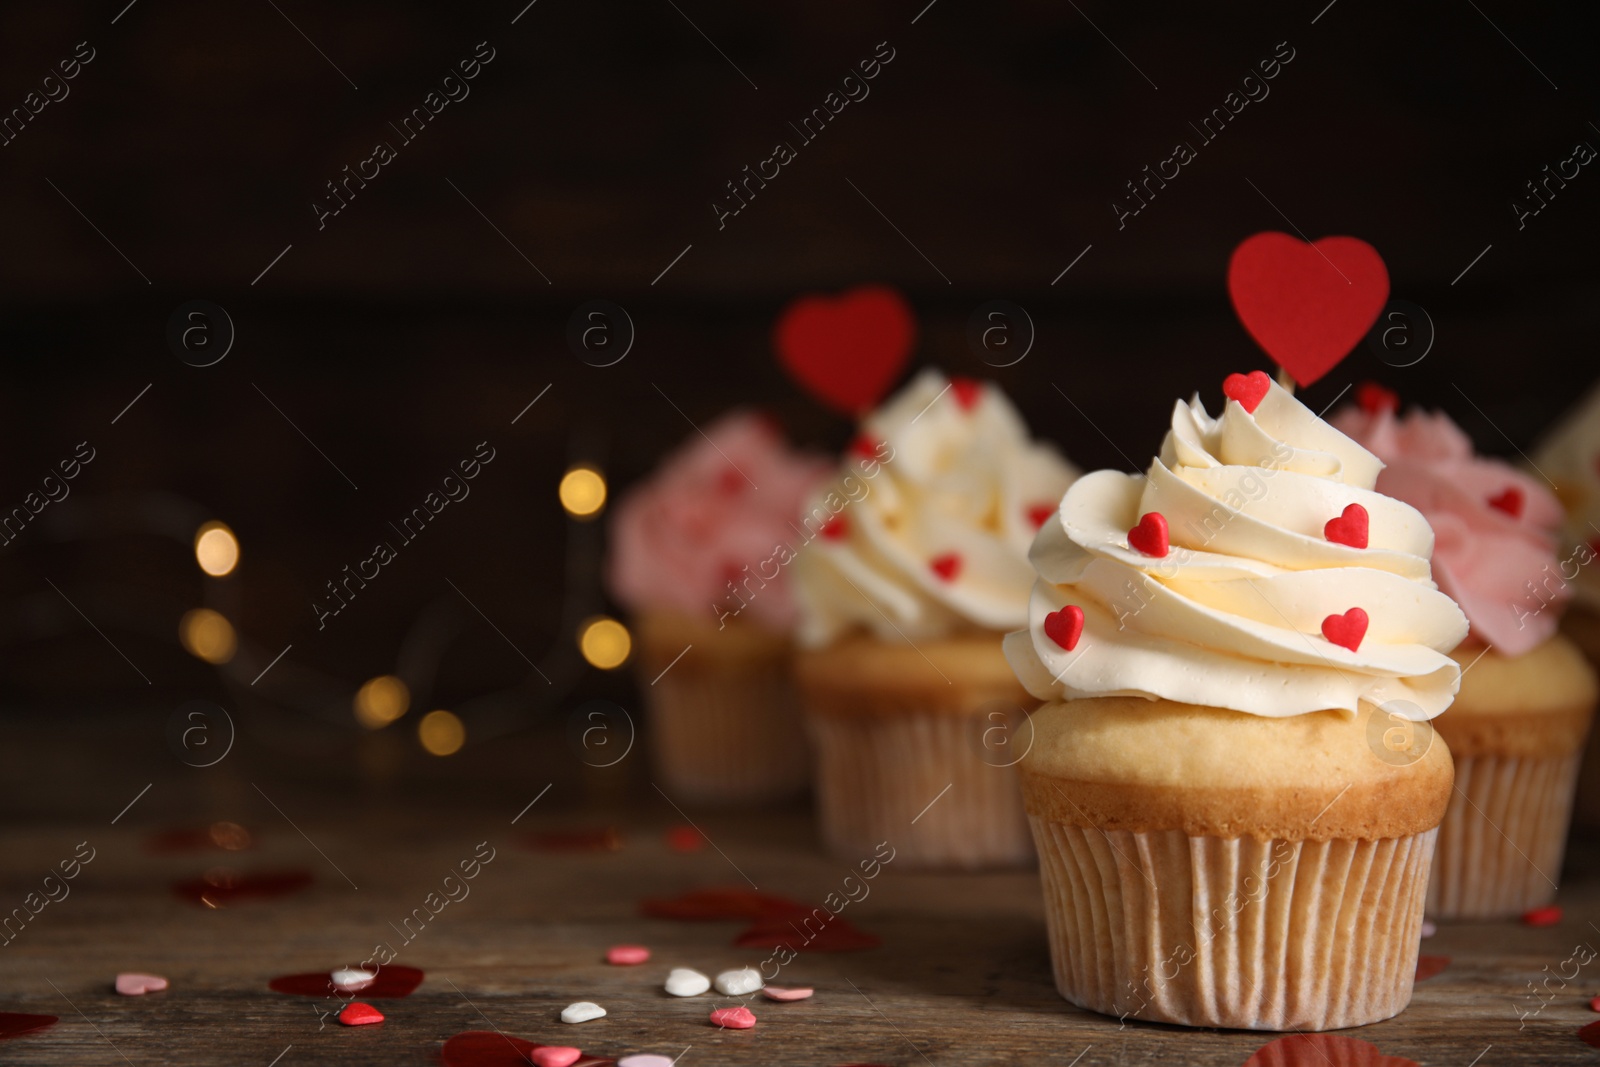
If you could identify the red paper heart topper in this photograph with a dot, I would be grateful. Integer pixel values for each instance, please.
(1307, 305)
(846, 350)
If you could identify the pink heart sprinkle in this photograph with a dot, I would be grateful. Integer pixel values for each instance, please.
(137, 985)
(778, 992)
(733, 1018)
(627, 955)
(555, 1055)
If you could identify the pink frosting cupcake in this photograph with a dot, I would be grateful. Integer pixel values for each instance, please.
(1527, 697)
(698, 554)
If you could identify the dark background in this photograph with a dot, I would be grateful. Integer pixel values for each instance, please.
(408, 329)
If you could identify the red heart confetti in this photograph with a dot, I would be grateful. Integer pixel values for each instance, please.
(1375, 399)
(1323, 1050)
(967, 392)
(1546, 916)
(222, 886)
(490, 1048)
(1346, 630)
(947, 566)
(1428, 966)
(596, 839)
(1064, 627)
(555, 1055)
(359, 1014)
(1350, 528)
(15, 1024)
(1509, 502)
(846, 350)
(834, 529)
(865, 446)
(805, 933)
(1307, 305)
(1039, 514)
(1247, 389)
(1594, 1004)
(1149, 538)
(733, 1018)
(685, 839)
(1590, 1035)
(391, 981)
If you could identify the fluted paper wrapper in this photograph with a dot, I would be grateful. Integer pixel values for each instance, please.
(1240, 933)
(727, 731)
(1503, 836)
(917, 780)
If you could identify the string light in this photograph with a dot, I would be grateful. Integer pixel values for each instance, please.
(441, 733)
(604, 642)
(207, 635)
(583, 492)
(216, 549)
(381, 701)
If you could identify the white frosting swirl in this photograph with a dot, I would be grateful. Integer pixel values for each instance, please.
(960, 479)
(1232, 616)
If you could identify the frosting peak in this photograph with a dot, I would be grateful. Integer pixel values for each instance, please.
(1235, 614)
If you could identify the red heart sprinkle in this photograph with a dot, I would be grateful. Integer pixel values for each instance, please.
(967, 391)
(1039, 514)
(946, 566)
(1590, 1035)
(834, 529)
(1150, 536)
(1247, 389)
(13, 1023)
(864, 445)
(555, 1055)
(1594, 1004)
(1350, 528)
(1374, 398)
(1428, 966)
(1546, 916)
(359, 1014)
(1323, 1050)
(1509, 501)
(733, 1018)
(1064, 627)
(1346, 630)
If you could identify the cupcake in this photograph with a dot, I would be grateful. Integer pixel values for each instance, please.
(698, 555)
(1232, 786)
(917, 568)
(1527, 697)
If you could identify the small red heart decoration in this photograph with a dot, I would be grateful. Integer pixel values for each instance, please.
(834, 529)
(1064, 627)
(1428, 966)
(490, 1048)
(1509, 501)
(1346, 630)
(1350, 528)
(946, 566)
(1150, 536)
(359, 1014)
(1247, 389)
(1307, 305)
(1323, 1050)
(1590, 1035)
(1039, 514)
(14, 1024)
(733, 1018)
(555, 1055)
(967, 392)
(1545, 916)
(846, 350)
(864, 446)
(1374, 398)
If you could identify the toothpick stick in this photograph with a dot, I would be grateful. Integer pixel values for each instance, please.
(1285, 380)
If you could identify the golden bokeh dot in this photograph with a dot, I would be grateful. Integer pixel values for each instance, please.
(441, 733)
(605, 642)
(381, 701)
(216, 549)
(207, 635)
(583, 492)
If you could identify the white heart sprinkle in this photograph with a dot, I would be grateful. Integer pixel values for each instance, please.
(648, 1059)
(738, 983)
(687, 982)
(581, 1012)
(349, 979)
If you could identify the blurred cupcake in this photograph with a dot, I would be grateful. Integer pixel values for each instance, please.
(1518, 724)
(1231, 832)
(699, 554)
(919, 565)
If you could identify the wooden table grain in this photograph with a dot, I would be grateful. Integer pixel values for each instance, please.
(962, 977)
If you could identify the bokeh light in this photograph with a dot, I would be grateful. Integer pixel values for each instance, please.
(216, 549)
(207, 635)
(381, 701)
(583, 492)
(441, 733)
(604, 642)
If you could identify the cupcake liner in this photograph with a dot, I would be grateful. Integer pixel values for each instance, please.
(1205, 931)
(729, 736)
(1503, 836)
(917, 780)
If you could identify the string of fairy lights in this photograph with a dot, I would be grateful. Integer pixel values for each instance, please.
(380, 702)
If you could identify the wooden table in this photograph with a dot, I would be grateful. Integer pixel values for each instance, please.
(962, 977)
